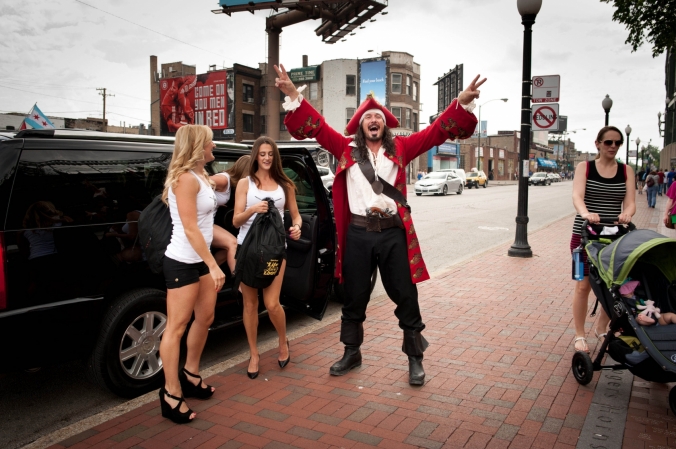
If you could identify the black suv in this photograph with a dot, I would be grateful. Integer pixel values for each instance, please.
(73, 281)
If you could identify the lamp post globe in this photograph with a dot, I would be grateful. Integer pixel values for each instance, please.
(528, 9)
(627, 131)
(607, 103)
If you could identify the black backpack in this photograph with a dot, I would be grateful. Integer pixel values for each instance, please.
(260, 257)
(154, 229)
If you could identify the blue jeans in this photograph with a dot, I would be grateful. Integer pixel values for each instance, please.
(652, 195)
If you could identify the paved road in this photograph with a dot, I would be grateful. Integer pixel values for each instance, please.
(451, 229)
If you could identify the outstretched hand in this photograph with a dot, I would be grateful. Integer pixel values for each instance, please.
(284, 83)
(472, 92)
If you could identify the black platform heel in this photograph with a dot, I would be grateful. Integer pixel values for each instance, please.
(191, 390)
(175, 414)
(255, 373)
(283, 363)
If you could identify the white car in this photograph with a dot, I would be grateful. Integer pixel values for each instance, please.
(459, 172)
(554, 177)
(327, 177)
(439, 183)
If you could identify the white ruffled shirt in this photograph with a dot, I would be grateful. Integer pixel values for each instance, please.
(360, 194)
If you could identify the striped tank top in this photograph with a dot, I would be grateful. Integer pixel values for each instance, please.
(603, 196)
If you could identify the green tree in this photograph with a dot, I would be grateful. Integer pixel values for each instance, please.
(652, 155)
(652, 21)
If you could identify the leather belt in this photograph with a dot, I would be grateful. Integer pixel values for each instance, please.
(375, 223)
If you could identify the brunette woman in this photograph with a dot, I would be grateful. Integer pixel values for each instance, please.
(224, 183)
(191, 273)
(266, 179)
(603, 189)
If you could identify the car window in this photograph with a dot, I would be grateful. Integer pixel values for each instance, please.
(436, 175)
(89, 187)
(470, 174)
(298, 172)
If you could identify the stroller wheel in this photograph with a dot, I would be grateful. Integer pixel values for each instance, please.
(672, 400)
(583, 369)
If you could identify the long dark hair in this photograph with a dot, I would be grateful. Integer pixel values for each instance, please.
(276, 171)
(239, 169)
(360, 141)
(602, 132)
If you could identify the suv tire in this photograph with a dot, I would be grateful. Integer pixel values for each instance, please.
(133, 325)
(339, 289)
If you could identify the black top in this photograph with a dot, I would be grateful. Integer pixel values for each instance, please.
(603, 196)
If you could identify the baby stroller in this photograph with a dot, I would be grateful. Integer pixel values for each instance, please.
(649, 258)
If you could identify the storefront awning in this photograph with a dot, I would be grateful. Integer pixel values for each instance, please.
(546, 163)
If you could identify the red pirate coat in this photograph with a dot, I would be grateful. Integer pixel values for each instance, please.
(305, 122)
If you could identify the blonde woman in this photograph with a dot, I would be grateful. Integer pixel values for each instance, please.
(191, 273)
(266, 179)
(224, 183)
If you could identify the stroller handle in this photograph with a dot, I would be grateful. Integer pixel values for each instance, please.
(610, 222)
(585, 233)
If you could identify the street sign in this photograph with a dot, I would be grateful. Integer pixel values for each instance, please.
(546, 89)
(545, 117)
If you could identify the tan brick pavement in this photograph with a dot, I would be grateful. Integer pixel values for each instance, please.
(498, 374)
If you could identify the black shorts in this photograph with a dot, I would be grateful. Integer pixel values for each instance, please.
(178, 274)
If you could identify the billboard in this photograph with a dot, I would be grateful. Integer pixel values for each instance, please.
(194, 99)
(373, 78)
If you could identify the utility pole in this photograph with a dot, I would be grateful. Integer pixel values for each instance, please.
(102, 92)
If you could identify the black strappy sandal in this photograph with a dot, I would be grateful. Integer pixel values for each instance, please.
(191, 390)
(175, 414)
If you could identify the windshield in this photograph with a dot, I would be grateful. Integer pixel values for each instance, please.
(436, 175)
(539, 175)
(472, 173)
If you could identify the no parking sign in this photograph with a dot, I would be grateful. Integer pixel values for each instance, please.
(545, 117)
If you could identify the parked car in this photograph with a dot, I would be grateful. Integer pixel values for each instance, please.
(459, 172)
(539, 179)
(439, 183)
(69, 290)
(476, 179)
(554, 177)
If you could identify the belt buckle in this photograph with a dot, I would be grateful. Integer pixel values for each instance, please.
(373, 220)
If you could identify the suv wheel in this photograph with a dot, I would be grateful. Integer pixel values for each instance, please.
(445, 190)
(126, 359)
(339, 289)
(485, 184)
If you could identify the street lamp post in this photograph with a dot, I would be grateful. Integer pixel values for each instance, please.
(607, 103)
(478, 151)
(627, 130)
(528, 9)
(638, 142)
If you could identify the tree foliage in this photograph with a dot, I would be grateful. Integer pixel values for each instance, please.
(651, 21)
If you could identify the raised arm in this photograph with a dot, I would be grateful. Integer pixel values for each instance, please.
(303, 121)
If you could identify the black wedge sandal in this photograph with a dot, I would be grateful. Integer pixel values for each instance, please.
(191, 390)
(175, 414)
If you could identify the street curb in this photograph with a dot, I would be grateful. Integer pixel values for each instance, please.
(114, 412)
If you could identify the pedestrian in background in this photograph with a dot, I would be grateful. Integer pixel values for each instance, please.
(652, 183)
(639, 181)
(266, 179)
(670, 177)
(191, 273)
(660, 186)
(603, 189)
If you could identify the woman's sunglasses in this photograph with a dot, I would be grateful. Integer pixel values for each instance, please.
(609, 143)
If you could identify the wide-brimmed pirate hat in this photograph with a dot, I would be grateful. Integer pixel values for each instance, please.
(369, 104)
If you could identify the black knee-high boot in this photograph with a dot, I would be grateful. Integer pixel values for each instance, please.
(352, 335)
(414, 345)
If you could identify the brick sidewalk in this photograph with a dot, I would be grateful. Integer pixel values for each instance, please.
(650, 422)
(498, 373)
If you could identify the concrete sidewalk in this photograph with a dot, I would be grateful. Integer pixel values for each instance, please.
(498, 374)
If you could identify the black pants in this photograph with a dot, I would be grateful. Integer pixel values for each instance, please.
(387, 250)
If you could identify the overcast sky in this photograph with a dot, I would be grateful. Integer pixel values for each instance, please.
(57, 53)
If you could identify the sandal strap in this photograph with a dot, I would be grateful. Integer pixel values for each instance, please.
(179, 399)
(191, 374)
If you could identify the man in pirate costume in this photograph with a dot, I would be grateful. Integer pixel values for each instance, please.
(373, 219)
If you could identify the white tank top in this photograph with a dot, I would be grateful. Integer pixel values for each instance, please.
(222, 198)
(180, 248)
(255, 195)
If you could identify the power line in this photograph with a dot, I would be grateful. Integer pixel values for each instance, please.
(150, 29)
(63, 86)
(64, 98)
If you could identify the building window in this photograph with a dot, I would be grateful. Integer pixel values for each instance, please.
(408, 118)
(264, 95)
(282, 127)
(415, 122)
(263, 125)
(408, 84)
(349, 112)
(350, 84)
(314, 88)
(247, 90)
(396, 83)
(415, 91)
(461, 162)
(397, 113)
(248, 123)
